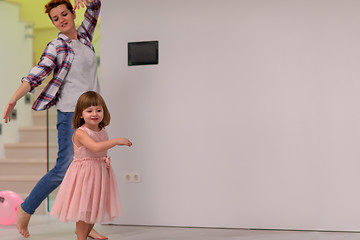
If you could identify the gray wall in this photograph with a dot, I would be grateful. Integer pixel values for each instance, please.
(250, 120)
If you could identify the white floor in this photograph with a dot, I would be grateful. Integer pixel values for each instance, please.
(45, 227)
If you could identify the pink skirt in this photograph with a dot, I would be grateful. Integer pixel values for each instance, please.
(88, 193)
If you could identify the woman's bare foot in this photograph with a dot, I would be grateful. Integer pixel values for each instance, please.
(22, 223)
(95, 235)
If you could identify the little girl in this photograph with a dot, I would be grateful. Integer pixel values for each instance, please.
(89, 192)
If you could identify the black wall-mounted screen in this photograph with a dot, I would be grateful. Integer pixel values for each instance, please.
(143, 53)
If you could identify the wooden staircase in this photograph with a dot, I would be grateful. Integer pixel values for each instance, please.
(26, 161)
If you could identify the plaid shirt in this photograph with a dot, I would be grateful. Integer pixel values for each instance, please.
(57, 58)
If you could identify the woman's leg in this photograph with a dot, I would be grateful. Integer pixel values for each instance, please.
(51, 180)
(22, 223)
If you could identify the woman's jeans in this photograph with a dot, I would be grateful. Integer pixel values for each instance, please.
(51, 180)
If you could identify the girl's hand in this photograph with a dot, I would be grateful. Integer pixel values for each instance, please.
(77, 3)
(8, 110)
(124, 141)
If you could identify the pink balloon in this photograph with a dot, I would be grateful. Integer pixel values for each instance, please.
(8, 204)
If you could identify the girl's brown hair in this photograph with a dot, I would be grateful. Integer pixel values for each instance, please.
(86, 100)
(54, 3)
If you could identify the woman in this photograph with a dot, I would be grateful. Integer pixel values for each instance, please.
(72, 60)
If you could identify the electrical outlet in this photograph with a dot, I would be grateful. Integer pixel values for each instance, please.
(127, 177)
(136, 177)
(133, 177)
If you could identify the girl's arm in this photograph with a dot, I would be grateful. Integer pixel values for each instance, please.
(81, 138)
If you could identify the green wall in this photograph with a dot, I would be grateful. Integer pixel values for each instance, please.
(34, 11)
(44, 30)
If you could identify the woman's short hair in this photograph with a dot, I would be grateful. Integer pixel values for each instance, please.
(54, 3)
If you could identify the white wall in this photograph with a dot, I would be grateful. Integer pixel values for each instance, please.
(250, 120)
(15, 61)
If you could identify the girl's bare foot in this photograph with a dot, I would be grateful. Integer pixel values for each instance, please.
(95, 235)
(22, 223)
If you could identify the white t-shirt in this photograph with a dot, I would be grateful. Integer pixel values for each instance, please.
(81, 77)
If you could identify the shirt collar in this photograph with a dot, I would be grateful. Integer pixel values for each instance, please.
(64, 37)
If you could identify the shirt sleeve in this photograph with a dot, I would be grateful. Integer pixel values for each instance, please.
(43, 69)
(90, 19)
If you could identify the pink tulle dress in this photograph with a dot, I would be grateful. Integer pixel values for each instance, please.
(89, 191)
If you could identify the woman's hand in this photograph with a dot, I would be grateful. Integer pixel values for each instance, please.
(20, 92)
(83, 3)
(8, 110)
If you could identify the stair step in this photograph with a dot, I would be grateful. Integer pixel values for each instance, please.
(37, 134)
(39, 118)
(19, 167)
(25, 160)
(30, 150)
(23, 184)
